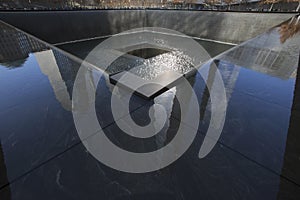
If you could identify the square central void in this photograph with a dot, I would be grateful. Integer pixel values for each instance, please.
(156, 61)
(151, 66)
(147, 53)
(156, 70)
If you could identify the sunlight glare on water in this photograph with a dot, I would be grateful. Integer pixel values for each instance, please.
(173, 61)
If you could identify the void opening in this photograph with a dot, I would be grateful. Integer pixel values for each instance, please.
(147, 52)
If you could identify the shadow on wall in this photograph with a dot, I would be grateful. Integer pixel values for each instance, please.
(291, 162)
(62, 26)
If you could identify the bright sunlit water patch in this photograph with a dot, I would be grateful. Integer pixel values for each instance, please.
(173, 61)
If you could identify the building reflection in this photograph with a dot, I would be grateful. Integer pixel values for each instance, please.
(267, 54)
(229, 76)
(49, 66)
(205, 94)
(15, 46)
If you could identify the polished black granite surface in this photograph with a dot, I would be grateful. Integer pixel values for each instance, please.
(256, 157)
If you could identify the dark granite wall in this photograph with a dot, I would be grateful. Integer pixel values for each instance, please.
(61, 26)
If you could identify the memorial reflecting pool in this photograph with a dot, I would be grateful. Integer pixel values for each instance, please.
(256, 156)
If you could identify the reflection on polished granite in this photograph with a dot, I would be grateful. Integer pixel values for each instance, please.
(256, 157)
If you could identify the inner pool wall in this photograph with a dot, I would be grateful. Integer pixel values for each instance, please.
(63, 26)
(232, 27)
